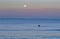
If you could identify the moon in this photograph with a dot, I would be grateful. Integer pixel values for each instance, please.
(25, 5)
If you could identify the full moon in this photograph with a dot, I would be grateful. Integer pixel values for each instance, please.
(25, 6)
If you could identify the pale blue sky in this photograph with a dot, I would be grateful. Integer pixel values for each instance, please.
(35, 8)
(31, 3)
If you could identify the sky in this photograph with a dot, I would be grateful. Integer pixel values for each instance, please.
(33, 9)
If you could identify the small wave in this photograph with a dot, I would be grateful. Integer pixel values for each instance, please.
(53, 30)
(29, 29)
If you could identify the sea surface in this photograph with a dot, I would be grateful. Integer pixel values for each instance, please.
(27, 28)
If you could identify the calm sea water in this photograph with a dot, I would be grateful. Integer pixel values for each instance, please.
(26, 28)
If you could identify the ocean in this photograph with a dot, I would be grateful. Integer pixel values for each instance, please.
(27, 28)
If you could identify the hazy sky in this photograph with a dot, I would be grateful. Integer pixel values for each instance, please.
(35, 8)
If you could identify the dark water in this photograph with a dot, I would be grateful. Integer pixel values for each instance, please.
(27, 28)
